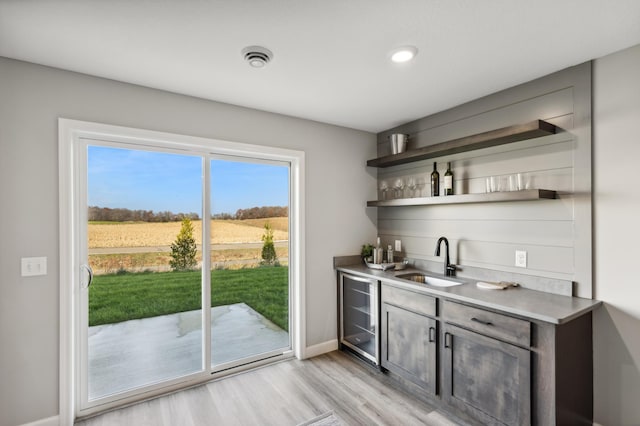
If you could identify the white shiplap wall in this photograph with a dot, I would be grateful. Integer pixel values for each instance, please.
(555, 233)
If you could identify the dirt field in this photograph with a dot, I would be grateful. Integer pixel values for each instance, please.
(159, 261)
(143, 234)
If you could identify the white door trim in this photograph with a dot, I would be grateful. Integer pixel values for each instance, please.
(69, 131)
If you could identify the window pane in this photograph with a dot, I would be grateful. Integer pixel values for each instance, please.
(250, 259)
(144, 241)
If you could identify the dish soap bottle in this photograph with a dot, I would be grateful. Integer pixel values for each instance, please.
(389, 254)
(435, 181)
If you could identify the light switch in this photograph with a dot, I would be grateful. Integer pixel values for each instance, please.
(32, 266)
(398, 246)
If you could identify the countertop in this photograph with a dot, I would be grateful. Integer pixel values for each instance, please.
(535, 305)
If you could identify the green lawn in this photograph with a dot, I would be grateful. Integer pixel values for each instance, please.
(120, 297)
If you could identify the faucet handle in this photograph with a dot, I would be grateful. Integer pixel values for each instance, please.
(451, 270)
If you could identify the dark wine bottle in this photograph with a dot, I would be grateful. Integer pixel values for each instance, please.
(435, 181)
(448, 181)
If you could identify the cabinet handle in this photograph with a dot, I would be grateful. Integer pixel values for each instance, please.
(432, 334)
(447, 340)
(474, 319)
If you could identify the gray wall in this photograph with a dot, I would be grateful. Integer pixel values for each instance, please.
(616, 196)
(615, 202)
(555, 234)
(31, 100)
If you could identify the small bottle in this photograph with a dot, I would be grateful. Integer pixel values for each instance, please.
(389, 254)
(377, 252)
(435, 181)
(448, 181)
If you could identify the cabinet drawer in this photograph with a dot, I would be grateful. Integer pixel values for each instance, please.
(488, 323)
(412, 301)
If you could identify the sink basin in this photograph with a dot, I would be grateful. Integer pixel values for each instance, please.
(427, 279)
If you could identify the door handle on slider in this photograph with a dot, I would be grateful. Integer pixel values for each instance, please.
(90, 272)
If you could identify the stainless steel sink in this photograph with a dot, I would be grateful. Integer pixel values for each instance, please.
(427, 279)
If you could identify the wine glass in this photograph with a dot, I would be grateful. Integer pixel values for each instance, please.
(420, 183)
(398, 186)
(412, 185)
(384, 187)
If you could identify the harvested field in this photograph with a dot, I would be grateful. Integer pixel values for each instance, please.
(159, 261)
(146, 234)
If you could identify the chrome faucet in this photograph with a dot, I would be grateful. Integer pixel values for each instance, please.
(449, 269)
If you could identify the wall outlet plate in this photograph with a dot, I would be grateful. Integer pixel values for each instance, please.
(521, 258)
(398, 246)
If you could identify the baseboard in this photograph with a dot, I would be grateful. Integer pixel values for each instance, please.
(321, 348)
(49, 421)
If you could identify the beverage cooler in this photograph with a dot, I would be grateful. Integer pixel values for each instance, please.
(359, 316)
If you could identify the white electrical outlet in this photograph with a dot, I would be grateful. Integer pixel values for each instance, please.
(521, 258)
(398, 245)
(32, 266)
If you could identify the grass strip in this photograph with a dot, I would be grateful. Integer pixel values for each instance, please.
(125, 296)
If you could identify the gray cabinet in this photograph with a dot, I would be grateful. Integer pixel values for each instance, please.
(486, 378)
(486, 364)
(409, 336)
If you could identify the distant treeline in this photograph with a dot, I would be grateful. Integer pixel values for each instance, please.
(125, 215)
(106, 214)
(255, 213)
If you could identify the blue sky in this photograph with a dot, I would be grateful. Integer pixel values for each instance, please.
(143, 180)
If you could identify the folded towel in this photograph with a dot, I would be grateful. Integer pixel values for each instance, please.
(502, 285)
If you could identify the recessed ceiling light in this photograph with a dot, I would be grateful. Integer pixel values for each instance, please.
(257, 56)
(404, 54)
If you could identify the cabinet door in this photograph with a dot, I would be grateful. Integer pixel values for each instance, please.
(486, 378)
(409, 346)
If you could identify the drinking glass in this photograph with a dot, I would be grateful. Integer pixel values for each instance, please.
(384, 187)
(513, 183)
(398, 187)
(491, 184)
(420, 183)
(412, 185)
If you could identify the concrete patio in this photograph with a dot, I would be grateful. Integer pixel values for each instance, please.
(135, 353)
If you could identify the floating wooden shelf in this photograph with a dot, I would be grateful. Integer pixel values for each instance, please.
(520, 132)
(490, 197)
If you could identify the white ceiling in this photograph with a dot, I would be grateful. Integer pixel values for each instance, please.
(330, 56)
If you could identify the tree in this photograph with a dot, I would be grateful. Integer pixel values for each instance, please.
(183, 249)
(269, 257)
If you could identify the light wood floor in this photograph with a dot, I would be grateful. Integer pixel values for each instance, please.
(285, 393)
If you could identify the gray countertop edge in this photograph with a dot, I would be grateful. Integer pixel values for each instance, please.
(532, 304)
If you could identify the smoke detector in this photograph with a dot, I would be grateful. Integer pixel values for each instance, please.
(257, 56)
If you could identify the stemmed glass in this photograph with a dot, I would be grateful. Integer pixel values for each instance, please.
(384, 187)
(398, 186)
(412, 185)
(420, 182)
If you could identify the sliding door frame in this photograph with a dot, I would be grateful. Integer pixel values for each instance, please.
(70, 133)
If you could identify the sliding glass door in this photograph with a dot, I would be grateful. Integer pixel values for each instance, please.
(250, 259)
(183, 262)
(141, 314)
